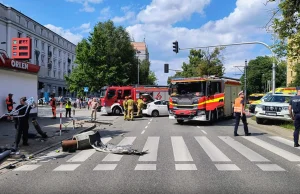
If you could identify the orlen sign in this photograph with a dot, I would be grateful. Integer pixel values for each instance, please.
(18, 65)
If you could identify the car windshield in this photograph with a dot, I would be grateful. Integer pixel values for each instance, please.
(282, 99)
(192, 88)
(102, 93)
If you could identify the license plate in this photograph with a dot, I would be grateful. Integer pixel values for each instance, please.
(271, 113)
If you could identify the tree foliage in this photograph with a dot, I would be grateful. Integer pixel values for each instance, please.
(259, 71)
(105, 57)
(202, 63)
(288, 27)
(147, 77)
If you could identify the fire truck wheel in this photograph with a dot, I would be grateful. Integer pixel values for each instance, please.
(117, 111)
(155, 113)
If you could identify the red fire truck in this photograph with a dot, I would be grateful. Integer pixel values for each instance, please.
(202, 98)
(112, 97)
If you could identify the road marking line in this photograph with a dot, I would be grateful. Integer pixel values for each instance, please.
(185, 167)
(283, 140)
(105, 167)
(152, 146)
(149, 123)
(198, 127)
(85, 154)
(145, 167)
(146, 127)
(276, 150)
(27, 168)
(151, 119)
(247, 152)
(204, 132)
(180, 150)
(227, 167)
(115, 157)
(82, 156)
(269, 167)
(67, 167)
(143, 132)
(211, 150)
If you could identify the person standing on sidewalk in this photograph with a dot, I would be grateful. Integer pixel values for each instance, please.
(53, 106)
(68, 108)
(94, 109)
(10, 105)
(294, 109)
(22, 122)
(239, 111)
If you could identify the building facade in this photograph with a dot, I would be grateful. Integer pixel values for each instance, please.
(54, 54)
(290, 72)
(141, 50)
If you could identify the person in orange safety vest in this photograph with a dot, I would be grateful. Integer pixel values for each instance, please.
(9, 104)
(239, 111)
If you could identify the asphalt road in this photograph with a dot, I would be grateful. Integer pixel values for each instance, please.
(189, 158)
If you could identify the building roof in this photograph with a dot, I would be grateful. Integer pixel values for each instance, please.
(140, 46)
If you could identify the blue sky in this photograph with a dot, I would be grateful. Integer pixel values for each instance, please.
(160, 22)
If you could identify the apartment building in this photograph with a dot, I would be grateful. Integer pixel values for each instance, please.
(54, 54)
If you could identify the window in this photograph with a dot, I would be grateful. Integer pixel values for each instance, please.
(59, 73)
(59, 52)
(53, 37)
(49, 72)
(18, 19)
(19, 34)
(64, 65)
(127, 92)
(27, 23)
(111, 93)
(43, 59)
(43, 46)
(54, 72)
(157, 103)
(42, 30)
(54, 51)
(36, 43)
(165, 102)
(34, 27)
(215, 87)
(59, 64)
(119, 94)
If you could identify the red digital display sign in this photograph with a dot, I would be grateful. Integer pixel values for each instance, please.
(21, 48)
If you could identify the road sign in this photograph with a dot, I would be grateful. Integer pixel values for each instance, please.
(85, 89)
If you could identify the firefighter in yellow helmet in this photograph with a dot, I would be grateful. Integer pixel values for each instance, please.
(125, 107)
(130, 105)
(140, 104)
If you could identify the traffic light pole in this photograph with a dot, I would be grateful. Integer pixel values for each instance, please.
(245, 43)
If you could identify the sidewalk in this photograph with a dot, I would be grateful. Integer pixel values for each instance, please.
(51, 127)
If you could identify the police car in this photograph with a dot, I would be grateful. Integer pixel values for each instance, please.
(275, 107)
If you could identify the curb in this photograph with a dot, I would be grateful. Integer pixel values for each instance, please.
(50, 146)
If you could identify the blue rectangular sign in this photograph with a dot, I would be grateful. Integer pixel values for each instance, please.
(85, 89)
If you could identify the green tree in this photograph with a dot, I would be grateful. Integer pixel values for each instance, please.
(147, 77)
(202, 63)
(259, 71)
(296, 81)
(105, 57)
(288, 26)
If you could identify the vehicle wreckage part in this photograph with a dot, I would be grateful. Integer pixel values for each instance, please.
(97, 144)
(4, 154)
(83, 140)
(38, 128)
(69, 145)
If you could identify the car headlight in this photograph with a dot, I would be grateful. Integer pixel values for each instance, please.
(285, 108)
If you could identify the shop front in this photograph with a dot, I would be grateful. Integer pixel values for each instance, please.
(19, 79)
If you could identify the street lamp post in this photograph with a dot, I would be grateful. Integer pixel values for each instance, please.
(245, 43)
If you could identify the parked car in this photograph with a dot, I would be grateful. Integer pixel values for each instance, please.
(275, 107)
(253, 104)
(157, 108)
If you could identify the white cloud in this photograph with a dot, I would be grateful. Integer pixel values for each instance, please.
(169, 12)
(128, 16)
(86, 4)
(243, 24)
(66, 33)
(105, 13)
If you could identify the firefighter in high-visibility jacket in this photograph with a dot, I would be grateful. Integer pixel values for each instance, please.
(140, 104)
(9, 104)
(125, 107)
(239, 111)
(130, 105)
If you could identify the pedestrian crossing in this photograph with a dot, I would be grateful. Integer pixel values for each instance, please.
(182, 159)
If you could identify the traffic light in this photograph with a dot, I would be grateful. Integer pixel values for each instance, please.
(166, 68)
(175, 47)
